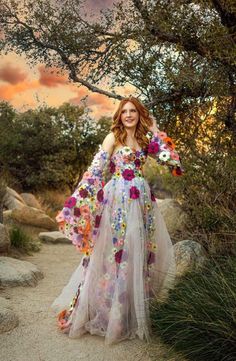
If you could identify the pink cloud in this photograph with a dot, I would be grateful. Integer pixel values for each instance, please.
(12, 74)
(50, 78)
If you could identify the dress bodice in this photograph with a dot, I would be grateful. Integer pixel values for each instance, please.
(128, 163)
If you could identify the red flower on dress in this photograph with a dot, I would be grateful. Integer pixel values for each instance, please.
(100, 195)
(77, 212)
(151, 257)
(83, 193)
(70, 202)
(153, 147)
(112, 167)
(137, 163)
(134, 192)
(128, 174)
(121, 255)
(97, 221)
(177, 171)
(153, 198)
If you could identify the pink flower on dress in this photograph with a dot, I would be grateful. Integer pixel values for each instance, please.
(100, 195)
(134, 192)
(153, 147)
(128, 174)
(83, 193)
(85, 211)
(174, 155)
(70, 202)
(162, 135)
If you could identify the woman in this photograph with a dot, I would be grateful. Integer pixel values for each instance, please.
(128, 254)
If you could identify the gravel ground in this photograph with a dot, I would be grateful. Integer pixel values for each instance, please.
(37, 337)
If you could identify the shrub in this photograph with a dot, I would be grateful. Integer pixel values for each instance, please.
(23, 242)
(199, 319)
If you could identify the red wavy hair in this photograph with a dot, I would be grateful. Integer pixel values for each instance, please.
(143, 126)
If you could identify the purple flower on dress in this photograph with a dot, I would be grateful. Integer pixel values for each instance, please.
(97, 221)
(121, 255)
(77, 212)
(100, 195)
(114, 240)
(83, 193)
(66, 212)
(128, 174)
(134, 192)
(90, 180)
(112, 167)
(70, 202)
(153, 147)
(151, 257)
(122, 297)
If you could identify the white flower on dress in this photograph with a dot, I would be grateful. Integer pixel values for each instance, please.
(107, 276)
(164, 155)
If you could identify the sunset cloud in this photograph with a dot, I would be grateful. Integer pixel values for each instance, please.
(12, 74)
(7, 92)
(49, 77)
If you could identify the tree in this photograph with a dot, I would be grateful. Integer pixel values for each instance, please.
(48, 147)
(178, 54)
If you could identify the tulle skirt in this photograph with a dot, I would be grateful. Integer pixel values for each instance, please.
(109, 292)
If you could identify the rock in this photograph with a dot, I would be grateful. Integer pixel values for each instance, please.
(30, 200)
(5, 242)
(34, 217)
(14, 272)
(54, 237)
(188, 255)
(175, 218)
(8, 318)
(12, 199)
(32, 231)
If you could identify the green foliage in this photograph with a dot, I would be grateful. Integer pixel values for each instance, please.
(23, 242)
(48, 147)
(198, 319)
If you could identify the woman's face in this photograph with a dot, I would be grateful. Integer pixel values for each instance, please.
(129, 115)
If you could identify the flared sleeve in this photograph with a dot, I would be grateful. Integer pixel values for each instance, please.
(162, 149)
(80, 217)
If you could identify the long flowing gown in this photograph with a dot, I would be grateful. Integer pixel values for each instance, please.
(128, 255)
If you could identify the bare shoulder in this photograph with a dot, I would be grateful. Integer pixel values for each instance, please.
(109, 143)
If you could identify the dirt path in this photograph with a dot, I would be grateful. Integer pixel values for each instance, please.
(37, 337)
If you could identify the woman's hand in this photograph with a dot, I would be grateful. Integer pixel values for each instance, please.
(153, 128)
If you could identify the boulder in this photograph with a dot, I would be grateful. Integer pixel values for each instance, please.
(12, 199)
(30, 200)
(14, 272)
(34, 217)
(5, 242)
(175, 218)
(32, 231)
(53, 237)
(189, 255)
(8, 318)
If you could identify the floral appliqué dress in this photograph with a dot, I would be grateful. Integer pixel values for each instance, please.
(127, 251)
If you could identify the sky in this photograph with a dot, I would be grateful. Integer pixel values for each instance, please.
(27, 87)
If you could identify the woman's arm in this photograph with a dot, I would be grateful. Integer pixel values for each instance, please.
(109, 143)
